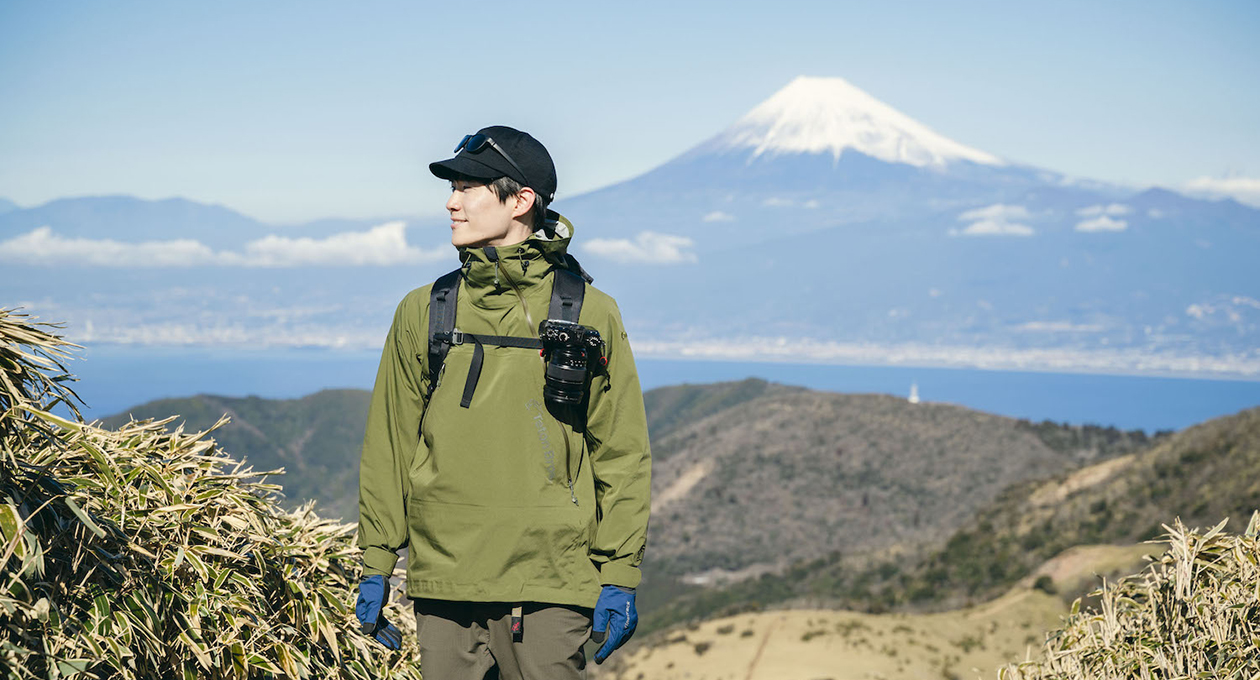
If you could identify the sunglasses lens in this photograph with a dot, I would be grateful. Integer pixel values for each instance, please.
(462, 143)
(475, 143)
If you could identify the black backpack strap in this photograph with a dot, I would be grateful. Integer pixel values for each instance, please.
(443, 299)
(573, 265)
(568, 289)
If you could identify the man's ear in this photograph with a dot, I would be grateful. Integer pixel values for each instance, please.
(524, 202)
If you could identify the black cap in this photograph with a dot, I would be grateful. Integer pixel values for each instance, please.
(489, 164)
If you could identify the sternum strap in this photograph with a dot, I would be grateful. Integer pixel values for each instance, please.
(479, 355)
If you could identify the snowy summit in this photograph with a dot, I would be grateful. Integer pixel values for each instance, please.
(818, 115)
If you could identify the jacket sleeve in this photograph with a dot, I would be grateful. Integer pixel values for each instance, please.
(390, 442)
(621, 462)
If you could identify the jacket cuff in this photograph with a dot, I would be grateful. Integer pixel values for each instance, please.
(624, 575)
(379, 561)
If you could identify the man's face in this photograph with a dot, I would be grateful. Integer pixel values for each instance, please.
(478, 218)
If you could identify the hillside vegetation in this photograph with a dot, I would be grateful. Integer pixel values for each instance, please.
(750, 478)
(1195, 613)
(142, 553)
(315, 439)
(1200, 474)
(674, 407)
(795, 475)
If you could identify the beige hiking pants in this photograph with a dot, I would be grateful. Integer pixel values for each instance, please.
(465, 640)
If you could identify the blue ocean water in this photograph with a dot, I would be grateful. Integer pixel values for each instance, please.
(113, 378)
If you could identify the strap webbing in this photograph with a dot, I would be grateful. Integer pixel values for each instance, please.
(459, 338)
(474, 374)
(443, 299)
(479, 355)
(567, 292)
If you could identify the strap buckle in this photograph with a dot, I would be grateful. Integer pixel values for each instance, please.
(453, 337)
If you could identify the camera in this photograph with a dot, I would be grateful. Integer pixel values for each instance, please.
(572, 352)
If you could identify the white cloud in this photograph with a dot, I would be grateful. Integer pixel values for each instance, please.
(1242, 189)
(994, 228)
(648, 246)
(1056, 359)
(1058, 327)
(382, 245)
(811, 204)
(42, 246)
(718, 216)
(994, 220)
(1102, 223)
(1114, 209)
(775, 202)
(997, 211)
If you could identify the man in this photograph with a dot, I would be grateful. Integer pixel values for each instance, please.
(521, 511)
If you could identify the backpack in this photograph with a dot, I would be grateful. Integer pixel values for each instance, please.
(567, 292)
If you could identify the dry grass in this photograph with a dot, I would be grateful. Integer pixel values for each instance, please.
(1194, 613)
(804, 644)
(137, 553)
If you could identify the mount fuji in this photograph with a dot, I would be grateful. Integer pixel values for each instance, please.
(822, 226)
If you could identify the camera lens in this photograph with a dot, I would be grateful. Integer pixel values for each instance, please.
(566, 375)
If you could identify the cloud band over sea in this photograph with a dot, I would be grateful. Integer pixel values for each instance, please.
(382, 245)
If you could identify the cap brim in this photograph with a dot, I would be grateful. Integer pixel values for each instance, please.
(463, 166)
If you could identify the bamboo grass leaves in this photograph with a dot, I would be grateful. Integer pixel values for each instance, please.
(143, 553)
(1194, 613)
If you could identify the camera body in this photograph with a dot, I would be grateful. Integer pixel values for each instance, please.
(573, 353)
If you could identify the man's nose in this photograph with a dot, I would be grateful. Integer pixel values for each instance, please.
(451, 203)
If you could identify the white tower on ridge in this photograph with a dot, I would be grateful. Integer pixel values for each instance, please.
(914, 393)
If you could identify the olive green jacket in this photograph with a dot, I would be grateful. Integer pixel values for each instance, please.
(500, 501)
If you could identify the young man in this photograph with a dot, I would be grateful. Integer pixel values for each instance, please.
(517, 472)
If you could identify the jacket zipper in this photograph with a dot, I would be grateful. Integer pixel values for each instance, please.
(581, 455)
(437, 383)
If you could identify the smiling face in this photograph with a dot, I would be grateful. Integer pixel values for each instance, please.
(479, 218)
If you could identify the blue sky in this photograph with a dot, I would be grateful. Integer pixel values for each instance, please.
(290, 111)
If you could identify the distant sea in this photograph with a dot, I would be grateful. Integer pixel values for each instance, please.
(113, 378)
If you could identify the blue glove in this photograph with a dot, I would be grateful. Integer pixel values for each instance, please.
(369, 609)
(616, 618)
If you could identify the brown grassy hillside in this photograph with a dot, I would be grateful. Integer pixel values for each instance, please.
(1204, 473)
(796, 475)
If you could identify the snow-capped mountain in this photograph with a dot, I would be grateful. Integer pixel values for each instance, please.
(826, 225)
(823, 225)
(830, 116)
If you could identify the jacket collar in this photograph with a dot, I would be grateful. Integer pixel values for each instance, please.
(487, 269)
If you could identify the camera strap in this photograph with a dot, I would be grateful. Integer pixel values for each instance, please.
(568, 290)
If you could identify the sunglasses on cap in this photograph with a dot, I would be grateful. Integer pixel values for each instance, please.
(475, 143)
